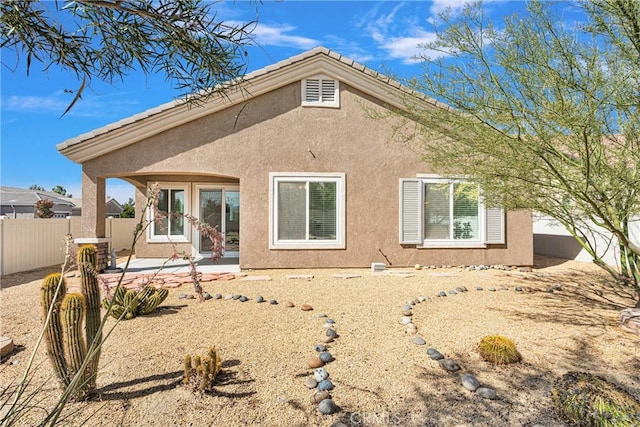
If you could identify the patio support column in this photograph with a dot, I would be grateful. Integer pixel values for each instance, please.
(93, 205)
(93, 218)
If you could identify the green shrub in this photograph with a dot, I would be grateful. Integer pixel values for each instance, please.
(588, 400)
(498, 350)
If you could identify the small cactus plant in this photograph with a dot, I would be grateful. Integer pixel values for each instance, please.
(73, 329)
(127, 304)
(588, 400)
(200, 373)
(498, 350)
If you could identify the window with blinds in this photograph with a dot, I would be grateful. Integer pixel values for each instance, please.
(307, 211)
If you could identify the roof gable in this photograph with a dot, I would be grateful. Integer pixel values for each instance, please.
(164, 117)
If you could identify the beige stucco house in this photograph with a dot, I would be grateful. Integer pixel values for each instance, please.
(297, 174)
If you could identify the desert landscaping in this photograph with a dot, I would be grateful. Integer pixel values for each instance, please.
(562, 316)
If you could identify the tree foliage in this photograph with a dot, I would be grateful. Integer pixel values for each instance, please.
(61, 190)
(543, 113)
(43, 209)
(106, 39)
(36, 187)
(129, 209)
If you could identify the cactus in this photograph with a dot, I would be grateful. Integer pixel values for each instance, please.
(200, 373)
(53, 329)
(74, 325)
(72, 315)
(87, 264)
(498, 350)
(589, 400)
(133, 303)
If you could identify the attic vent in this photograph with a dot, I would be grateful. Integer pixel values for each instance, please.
(320, 92)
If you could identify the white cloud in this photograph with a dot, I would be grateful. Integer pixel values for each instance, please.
(455, 6)
(88, 106)
(280, 35)
(407, 48)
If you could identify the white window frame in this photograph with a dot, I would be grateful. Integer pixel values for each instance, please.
(277, 177)
(321, 102)
(413, 205)
(456, 243)
(186, 235)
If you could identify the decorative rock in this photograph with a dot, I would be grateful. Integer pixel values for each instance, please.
(306, 307)
(557, 287)
(407, 313)
(236, 296)
(421, 299)
(418, 267)
(479, 288)
(325, 385)
(289, 304)
(310, 382)
(217, 296)
(452, 292)
(464, 289)
(331, 333)
(327, 407)
(331, 321)
(492, 289)
(273, 302)
(629, 320)
(260, 299)
(419, 341)
(442, 294)
(243, 299)
(320, 374)
(327, 325)
(320, 348)
(518, 288)
(228, 296)
(459, 289)
(486, 392)
(6, 346)
(449, 365)
(182, 296)
(549, 290)
(407, 307)
(325, 356)
(406, 320)
(412, 331)
(315, 362)
(434, 354)
(189, 296)
(319, 396)
(327, 340)
(320, 315)
(207, 296)
(470, 382)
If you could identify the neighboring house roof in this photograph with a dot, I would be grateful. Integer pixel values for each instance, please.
(170, 115)
(25, 197)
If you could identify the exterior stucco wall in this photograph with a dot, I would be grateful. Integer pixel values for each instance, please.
(273, 133)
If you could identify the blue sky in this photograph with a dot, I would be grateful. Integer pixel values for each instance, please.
(381, 35)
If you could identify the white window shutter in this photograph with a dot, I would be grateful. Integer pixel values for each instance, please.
(329, 91)
(411, 211)
(312, 90)
(494, 226)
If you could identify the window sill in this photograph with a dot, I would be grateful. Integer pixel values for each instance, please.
(306, 246)
(173, 239)
(452, 245)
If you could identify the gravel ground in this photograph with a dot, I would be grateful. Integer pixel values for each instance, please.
(380, 376)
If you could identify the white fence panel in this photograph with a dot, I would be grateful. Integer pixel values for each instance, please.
(31, 243)
(27, 244)
(120, 230)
